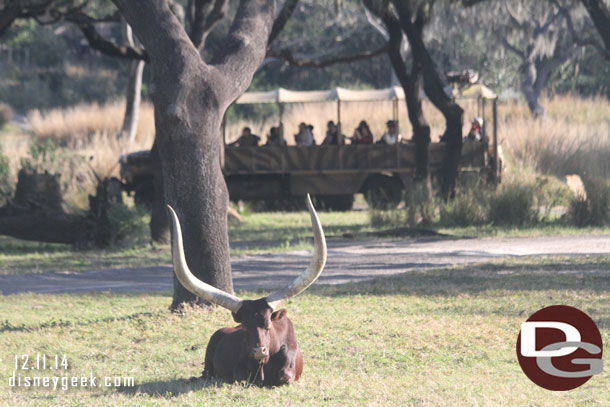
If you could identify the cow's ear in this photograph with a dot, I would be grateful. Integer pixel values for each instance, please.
(279, 314)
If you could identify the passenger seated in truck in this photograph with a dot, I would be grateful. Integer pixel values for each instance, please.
(275, 138)
(304, 137)
(247, 139)
(332, 135)
(362, 134)
(392, 134)
(477, 131)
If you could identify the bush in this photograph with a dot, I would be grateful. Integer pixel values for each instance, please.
(395, 218)
(466, 209)
(549, 193)
(594, 209)
(6, 114)
(513, 205)
(127, 225)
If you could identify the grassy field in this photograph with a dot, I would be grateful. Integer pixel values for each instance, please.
(432, 338)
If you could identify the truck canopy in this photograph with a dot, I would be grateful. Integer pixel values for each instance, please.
(281, 95)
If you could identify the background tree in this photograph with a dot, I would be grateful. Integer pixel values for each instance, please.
(599, 11)
(411, 82)
(538, 34)
(190, 97)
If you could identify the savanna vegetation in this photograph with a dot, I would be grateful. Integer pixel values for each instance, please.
(418, 339)
(425, 338)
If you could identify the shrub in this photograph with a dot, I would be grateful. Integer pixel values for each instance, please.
(594, 209)
(391, 218)
(512, 205)
(127, 225)
(549, 193)
(467, 208)
(6, 114)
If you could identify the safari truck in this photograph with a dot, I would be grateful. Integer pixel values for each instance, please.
(332, 173)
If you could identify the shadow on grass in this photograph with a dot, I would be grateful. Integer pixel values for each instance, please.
(175, 387)
(591, 273)
(170, 388)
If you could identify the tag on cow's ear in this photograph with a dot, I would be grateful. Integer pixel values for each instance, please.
(279, 314)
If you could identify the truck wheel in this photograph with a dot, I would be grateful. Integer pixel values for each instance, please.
(340, 203)
(383, 192)
(145, 194)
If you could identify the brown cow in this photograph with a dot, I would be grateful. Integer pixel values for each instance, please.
(263, 348)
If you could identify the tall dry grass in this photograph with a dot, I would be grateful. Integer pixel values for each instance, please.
(90, 130)
(87, 134)
(574, 137)
(78, 124)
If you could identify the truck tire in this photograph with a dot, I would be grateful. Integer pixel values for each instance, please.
(339, 203)
(383, 192)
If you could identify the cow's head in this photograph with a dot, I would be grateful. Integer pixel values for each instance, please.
(256, 316)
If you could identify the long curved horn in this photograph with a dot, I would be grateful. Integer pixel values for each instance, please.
(189, 281)
(314, 270)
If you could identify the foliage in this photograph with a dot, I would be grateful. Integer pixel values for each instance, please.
(6, 114)
(594, 209)
(512, 205)
(43, 155)
(469, 207)
(127, 226)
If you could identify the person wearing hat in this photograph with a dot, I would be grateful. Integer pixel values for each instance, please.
(392, 134)
(477, 131)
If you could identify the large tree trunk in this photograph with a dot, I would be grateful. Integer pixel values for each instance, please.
(159, 222)
(530, 91)
(190, 98)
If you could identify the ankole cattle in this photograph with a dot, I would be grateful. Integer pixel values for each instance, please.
(263, 347)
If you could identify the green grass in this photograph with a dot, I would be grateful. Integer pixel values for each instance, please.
(431, 338)
(257, 233)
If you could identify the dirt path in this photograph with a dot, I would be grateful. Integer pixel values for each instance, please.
(347, 261)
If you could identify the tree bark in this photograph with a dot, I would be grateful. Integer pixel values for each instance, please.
(190, 98)
(133, 95)
(50, 227)
(412, 24)
(412, 85)
(159, 222)
(529, 91)
(600, 14)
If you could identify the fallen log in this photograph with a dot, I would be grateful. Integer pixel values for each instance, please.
(49, 227)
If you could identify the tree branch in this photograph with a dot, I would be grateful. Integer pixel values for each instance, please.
(509, 46)
(205, 16)
(325, 61)
(600, 14)
(244, 47)
(107, 47)
(281, 19)
(161, 33)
